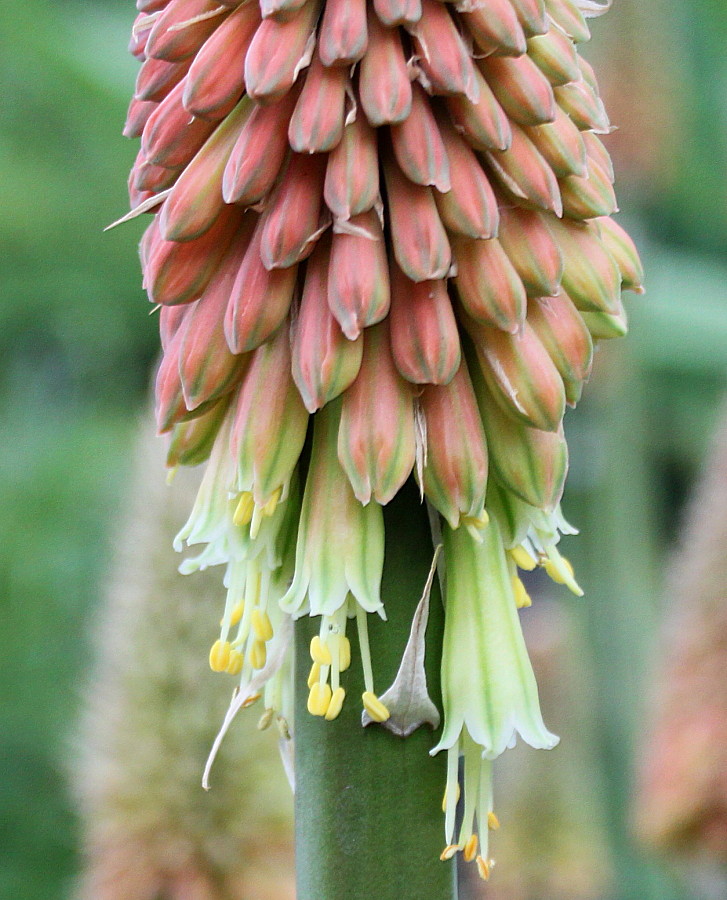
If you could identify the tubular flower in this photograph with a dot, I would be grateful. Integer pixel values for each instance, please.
(392, 217)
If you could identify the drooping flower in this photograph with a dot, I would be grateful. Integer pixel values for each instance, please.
(395, 217)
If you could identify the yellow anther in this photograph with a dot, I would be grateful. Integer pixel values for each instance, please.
(234, 663)
(550, 568)
(265, 719)
(480, 521)
(483, 868)
(493, 823)
(252, 699)
(283, 729)
(245, 507)
(448, 852)
(470, 848)
(258, 655)
(171, 473)
(319, 699)
(374, 707)
(446, 794)
(236, 613)
(261, 625)
(344, 653)
(334, 707)
(272, 503)
(522, 598)
(522, 559)
(319, 651)
(219, 656)
(315, 671)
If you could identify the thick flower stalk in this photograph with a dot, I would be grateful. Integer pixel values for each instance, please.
(394, 217)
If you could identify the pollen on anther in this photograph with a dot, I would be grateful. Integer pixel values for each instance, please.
(470, 848)
(493, 823)
(374, 707)
(313, 675)
(334, 707)
(245, 508)
(319, 651)
(219, 656)
(483, 868)
(449, 852)
(261, 624)
(234, 664)
(258, 655)
(522, 559)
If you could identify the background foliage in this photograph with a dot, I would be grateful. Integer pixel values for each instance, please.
(76, 348)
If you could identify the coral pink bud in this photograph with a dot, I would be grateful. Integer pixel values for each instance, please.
(216, 78)
(566, 15)
(343, 35)
(352, 174)
(623, 250)
(584, 106)
(170, 138)
(532, 15)
(455, 473)
(281, 10)
(182, 28)
(278, 52)
(139, 113)
(561, 145)
(317, 121)
(384, 86)
(524, 172)
(418, 145)
(157, 77)
(590, 276)
(527, 240)
(259, 153)
(424, 336)
(259, 299)
(495, 27)
(376, 437)
(443, 56)
(484, 124)
(554, 54)
(324, 362)
(398, 12)
(520, 87)
(420, 242)
(488, 285)
(358, 275)
(291, 220)
(564, 335)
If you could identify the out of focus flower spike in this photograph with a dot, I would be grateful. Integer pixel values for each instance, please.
(376, 437)
(214, 85)
(179, 272)
(196, 199)
(455, 473)
(424, 336)
(489, 288)
(554, 54)
(259, 152)
(531, 248)
(624, 253)
(495, 27)
(561, 145)
(398, 12)
(443, 56)
(527, 461)
(564, 335)
(483, 124)
(418, 145)
(169, 138)
(291, 220)
(324, 362)
(343, 34)
(352, 173)
(316, 125)
(267, 399)
(278, 52)
(258, 299)
(420, 242)
(182, 28)
(520, 374)
(384, 86)
(521, 88)
(525, 174)
(590, 276)
(569, 18)
(358, 277)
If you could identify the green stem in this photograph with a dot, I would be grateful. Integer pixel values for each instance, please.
(369, 821)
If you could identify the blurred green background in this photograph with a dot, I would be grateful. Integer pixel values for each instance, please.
(76, 348)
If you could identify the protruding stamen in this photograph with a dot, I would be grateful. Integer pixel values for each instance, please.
(258, 655)
(493, 823)
(560, 570)
(319, 699)
(319, 651)
(522, 559)
(245, 508)
(445, 797)
(219, 656)
(448, 852)
(265, 719)
(234, 663)
(522, 598)
(334, 707)
(315, 672)
(374, 707)
(470, 848)
(483, 868)
(272, 503)
(344, 653)
(236, 614)
(261, 624)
